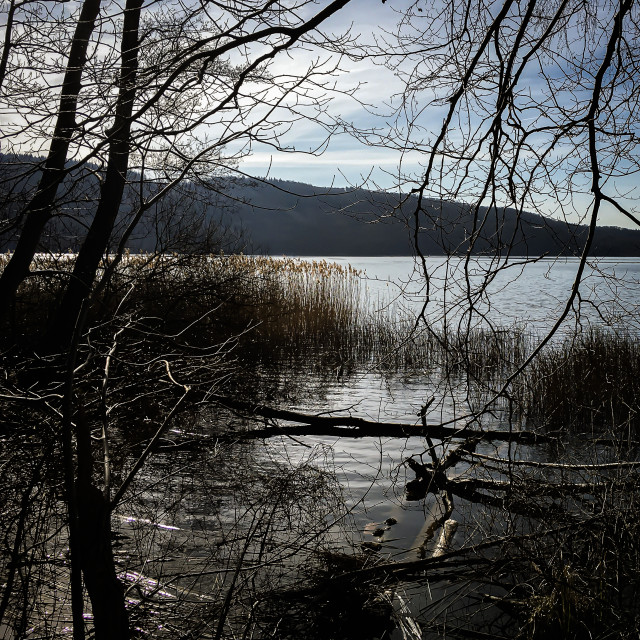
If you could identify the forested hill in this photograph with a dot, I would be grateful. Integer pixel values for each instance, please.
(281, 217)
(299, 219)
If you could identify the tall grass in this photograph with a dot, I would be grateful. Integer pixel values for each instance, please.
(589, 380)
(279, 307)
(315, 316)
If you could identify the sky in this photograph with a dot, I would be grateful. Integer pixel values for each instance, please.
(346, 162)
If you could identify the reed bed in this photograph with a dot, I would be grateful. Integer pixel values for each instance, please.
(314, 317)
(307, 314)
(589, 381)
(280, 308)
(275, 307)
(37, 294)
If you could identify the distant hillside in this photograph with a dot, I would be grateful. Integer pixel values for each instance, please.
(299, 219)
(281, 217)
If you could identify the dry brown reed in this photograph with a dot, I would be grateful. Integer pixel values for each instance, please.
(315, 316)
(588, 381)
(282, 308)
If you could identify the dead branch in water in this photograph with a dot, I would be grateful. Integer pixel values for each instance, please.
(349, 426)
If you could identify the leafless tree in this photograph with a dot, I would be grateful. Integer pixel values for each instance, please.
(139, 98)
(537, 105)
(182, 71)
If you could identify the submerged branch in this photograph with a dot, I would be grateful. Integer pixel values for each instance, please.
(348, 426)
(603, 466)
(464, 557)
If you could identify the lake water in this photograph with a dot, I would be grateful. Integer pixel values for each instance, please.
(371, 471)
(528, 295)
(373, 515)
(213, 512)
(532, 294)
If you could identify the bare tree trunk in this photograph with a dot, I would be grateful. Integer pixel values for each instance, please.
(6, 48)
(110, 618)
(38, 211)
(112, 189)
(94, 523)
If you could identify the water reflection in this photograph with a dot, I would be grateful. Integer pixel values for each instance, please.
(248, 538)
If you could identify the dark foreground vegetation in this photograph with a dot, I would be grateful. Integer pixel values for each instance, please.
(177, 429)
(146, 494)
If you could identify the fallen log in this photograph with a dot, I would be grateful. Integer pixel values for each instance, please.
(463, 557)
(566, 466)
(348, 426)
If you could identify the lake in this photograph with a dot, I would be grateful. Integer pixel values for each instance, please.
(531, 294)
(267, 530)
(338, 470)
(371, 470)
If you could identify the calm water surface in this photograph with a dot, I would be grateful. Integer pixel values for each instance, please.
(529, 295)
(371, 471)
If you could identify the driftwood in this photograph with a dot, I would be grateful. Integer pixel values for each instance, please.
(503, 494)
(462, 559)
(348, 426)
(446, 537)
(431, 478)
